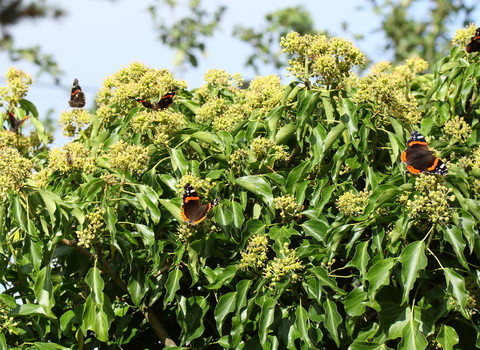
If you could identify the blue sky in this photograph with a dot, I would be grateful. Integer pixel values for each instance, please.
(98, 37)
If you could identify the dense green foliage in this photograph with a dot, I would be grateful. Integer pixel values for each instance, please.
(322, 239)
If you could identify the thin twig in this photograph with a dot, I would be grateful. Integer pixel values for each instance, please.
(165, 267)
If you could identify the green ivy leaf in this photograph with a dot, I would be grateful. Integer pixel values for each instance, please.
(172, 285)
(316, 229)
(379, 275)
(44, 291)
(301, 325)
(190, 313)
(258, 186)
(355, 302)
(447, 337)
(332, 320)
(136, 287)
(453, 235)
(413, 260)
(411, 337)
(456, 288)
(226, 305)
(267, 306)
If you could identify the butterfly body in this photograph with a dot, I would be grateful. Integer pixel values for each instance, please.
(419, 159)
(192, 211)
(77, 97)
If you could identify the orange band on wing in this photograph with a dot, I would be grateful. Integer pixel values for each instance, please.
(188, 199)
(434, 165)
(413, 170)
(182, 214)
(421, 143)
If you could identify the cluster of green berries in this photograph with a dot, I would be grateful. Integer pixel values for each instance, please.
(353, 204)
(94, 229)
(287, 205)
(432, 202)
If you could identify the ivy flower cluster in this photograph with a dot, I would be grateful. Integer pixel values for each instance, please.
(163, 124)
(473, 160)
(255, 254)
(287, 205)
(264, 94)
(6, 322)
(408, 71)
(234, 114)
(315, 56)
(386, 91)
(219, 79)
(475, 187)
(457, 129)
(263, 148)
(462, 36)
(197, 183)
(74, 156)
(222, 114)
(12, 139)
(15, 170)
(432, 201)
(41, 178)
(238, 160)
(134, 80)
(18, 83)
(473, 290)
(210, 110)
(132, 158)
(74, 120)
(94, 229)
(110, 179)
(38, 144)
(279, 268)
(351, 204)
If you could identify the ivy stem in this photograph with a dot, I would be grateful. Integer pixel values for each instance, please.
(147, 313)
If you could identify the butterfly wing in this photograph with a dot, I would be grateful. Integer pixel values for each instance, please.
(167, 100)
(153, 106)
(192, 211)
(14, 122)
(77, 97)
(419, 159)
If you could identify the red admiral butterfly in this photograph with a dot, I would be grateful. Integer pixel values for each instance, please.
(14, 122)
(165, 102)
(192, 212)
(77, 97)
(419, 159)
(474, 44)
